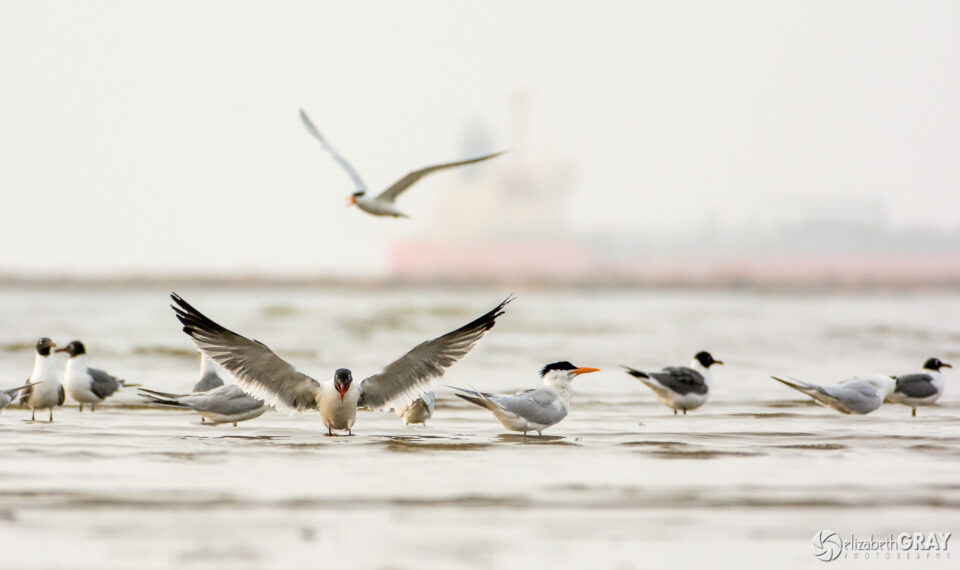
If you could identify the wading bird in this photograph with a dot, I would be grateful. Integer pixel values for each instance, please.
(852, 396)
(535, 409)
(263, 374)
(44, 389)
(84, 384)
(920, 389)
(680, 387)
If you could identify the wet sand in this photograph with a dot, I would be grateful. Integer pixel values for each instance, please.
(621, 483)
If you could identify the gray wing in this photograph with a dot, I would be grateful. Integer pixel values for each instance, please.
(856, 395)
(209, 381)
(537, 406)
(403, 380)
(12, 392)
(226, 400)
(681, 380)
(26, 393)
(391, 193)
(916, 385)
(333, 152)
(103, 384)
(259, 371)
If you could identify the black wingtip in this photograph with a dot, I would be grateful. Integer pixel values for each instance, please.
(634, 372)
(472, 399)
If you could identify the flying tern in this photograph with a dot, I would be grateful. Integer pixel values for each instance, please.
(920, 389)
(383, 203)
(680, 387)
(44, 390)
(84, 384)
(263, 374)
(858, 395)
(535, 409)
(224, 405)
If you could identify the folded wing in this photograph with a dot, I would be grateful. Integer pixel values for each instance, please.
(257, 369)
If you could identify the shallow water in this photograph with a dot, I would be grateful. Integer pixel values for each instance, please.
(621, 483)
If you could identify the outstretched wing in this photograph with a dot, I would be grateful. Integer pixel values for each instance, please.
(259, 371)
(391, 193)
(403, 380)
(333, 152)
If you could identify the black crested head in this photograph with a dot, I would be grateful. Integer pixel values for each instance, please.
(562, 365)
(935, 364)
(43, 346)
(75, 348)
(343, 376)
(706, 359)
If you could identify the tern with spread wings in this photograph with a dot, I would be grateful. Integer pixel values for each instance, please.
(383, 203)
(263, 374)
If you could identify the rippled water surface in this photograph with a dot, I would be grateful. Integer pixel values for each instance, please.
(621, 483)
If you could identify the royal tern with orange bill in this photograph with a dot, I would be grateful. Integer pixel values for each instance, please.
(535, 409)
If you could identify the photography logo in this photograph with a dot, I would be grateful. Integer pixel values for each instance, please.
(827, 545)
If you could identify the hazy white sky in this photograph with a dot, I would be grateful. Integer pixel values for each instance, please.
(156, 136)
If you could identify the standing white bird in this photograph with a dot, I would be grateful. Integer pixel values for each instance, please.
(851, 396)
(9, 395)
(679, 387)
(920, 389)
(209, 379)
(44, 389)
(383, 204)
(84, 384)
(419, 410)
(223, 405)
(535, 409)
(263, 374)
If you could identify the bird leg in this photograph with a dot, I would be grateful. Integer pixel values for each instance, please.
(329, 431)
(914, 413)
(51, 415)
(349, 431)
(203, 420)
(93, 407)
(81, 407)
(33, 415)
(234, 424)
(684, 411)
(674, 412)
